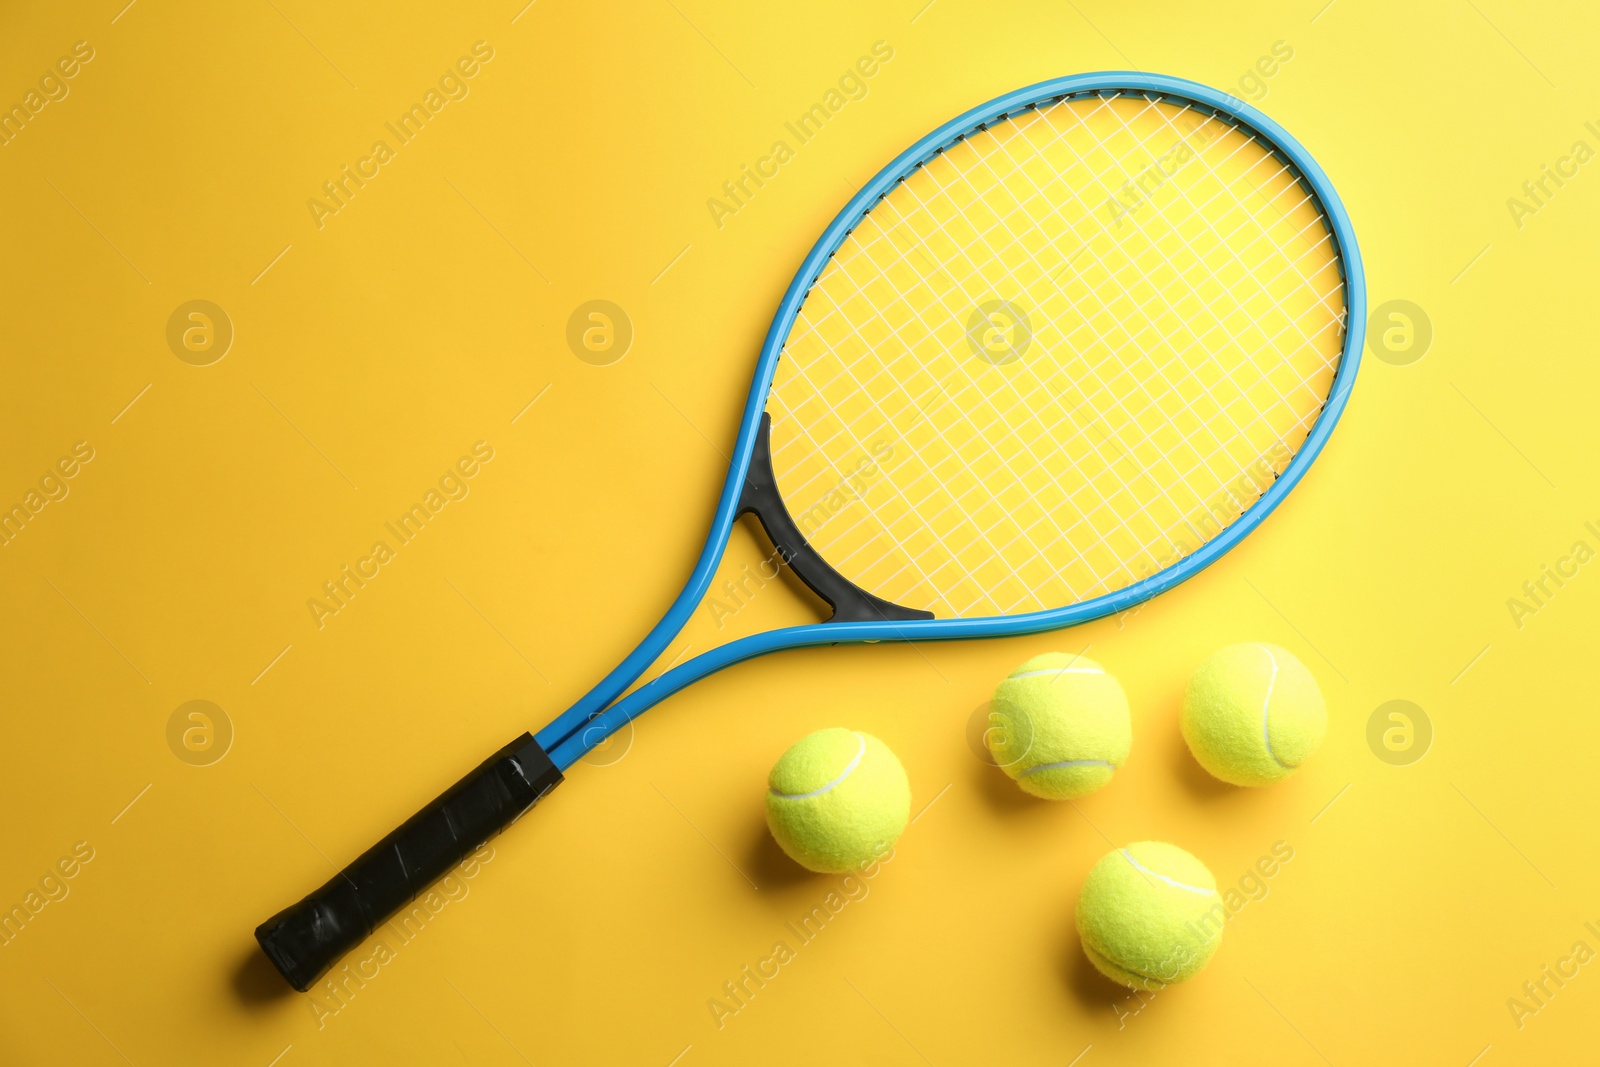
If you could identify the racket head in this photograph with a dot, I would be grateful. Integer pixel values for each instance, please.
(1150, 146)
(600, 713)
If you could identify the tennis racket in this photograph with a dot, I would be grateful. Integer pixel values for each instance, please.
(1060, 355)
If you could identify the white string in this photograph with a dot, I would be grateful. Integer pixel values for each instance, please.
(1140, 402)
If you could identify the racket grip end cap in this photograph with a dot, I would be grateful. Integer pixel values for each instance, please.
(304, 940)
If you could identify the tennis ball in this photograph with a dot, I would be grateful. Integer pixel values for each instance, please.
(1149, 915)
(837, 799)
(1059, 725)
(1252, 714)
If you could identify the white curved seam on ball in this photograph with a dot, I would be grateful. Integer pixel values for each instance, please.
(1056, 672)
(848, 770)
(1122, 966)
(1266, 733)
(1068, 763)
(1173, 882)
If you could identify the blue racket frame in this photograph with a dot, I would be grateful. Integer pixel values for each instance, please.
(590, 721)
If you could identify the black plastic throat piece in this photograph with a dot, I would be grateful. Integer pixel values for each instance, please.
(850, 602)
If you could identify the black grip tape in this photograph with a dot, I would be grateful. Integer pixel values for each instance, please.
(304, 940)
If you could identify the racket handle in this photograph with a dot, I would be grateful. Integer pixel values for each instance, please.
(304, 940)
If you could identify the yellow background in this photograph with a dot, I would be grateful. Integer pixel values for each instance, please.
(426, 315)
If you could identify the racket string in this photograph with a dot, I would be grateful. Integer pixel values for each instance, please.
(1118, 400)
(1151, 544)
(912, 508)
(1303, 381)
(888, 366)
(1184, 474)
(1150, 548)
(1001, 479)
(1052, 429)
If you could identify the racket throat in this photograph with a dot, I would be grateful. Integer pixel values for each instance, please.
(760, 497)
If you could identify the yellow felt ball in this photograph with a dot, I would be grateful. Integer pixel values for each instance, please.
(1252, 714)
(1059, 725)
(837, 799)
(1149, 915)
